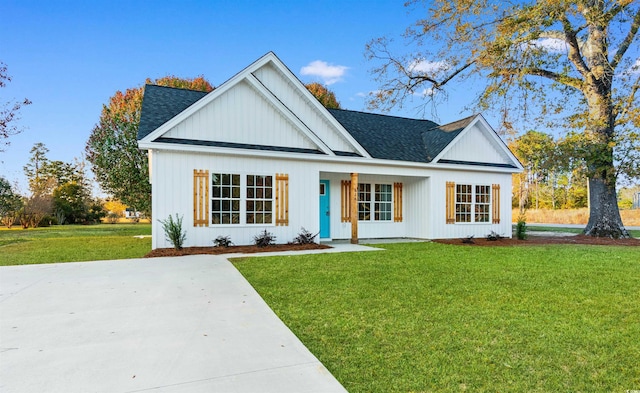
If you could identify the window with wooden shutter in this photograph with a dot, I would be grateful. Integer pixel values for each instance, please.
(345, 201)
(495, 197)
(200, 198)
(451, 202)
(282, 199)
(397, 202)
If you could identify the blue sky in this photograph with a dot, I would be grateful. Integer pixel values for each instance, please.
(69, 57)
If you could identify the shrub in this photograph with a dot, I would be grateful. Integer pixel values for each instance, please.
(222, 241)
(493, 236)
(173, 231)
(305, 237)
(264, 239)
(521, 227)
(112, 218)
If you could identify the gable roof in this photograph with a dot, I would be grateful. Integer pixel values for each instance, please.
(371, 136)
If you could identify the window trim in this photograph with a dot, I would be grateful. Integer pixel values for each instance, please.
(243, 199)
(371, 202)
(473, 203)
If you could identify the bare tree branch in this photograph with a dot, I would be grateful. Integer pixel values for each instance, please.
(624, 45)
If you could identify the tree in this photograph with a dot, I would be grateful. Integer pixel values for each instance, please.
(9, 112)
(120, 168)
(326, 97)
(571, 58)
(35, 170)
(10, 203)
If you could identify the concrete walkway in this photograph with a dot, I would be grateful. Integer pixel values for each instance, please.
(183, 324)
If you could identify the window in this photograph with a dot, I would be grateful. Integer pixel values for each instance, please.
(379, 201)
(472, 203)
(259, 199)
(382, 205)
(483, 203)
(463, 203)
(364, 202)
(225, 200)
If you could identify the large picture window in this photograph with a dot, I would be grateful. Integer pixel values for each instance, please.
(473, 203)
(376, 198)
(259, 199)
(225, 200)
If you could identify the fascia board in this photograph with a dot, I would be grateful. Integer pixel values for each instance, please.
(227, 151)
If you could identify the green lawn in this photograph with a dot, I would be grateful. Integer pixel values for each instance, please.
(73, 243)
(427, 317)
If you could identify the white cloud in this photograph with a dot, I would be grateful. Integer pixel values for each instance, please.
(635, 67)
(551, 45)
(329, 73)
(427, 67)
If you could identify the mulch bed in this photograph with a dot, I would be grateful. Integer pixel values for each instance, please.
(171, 252)
(481, 242)
(578, 239)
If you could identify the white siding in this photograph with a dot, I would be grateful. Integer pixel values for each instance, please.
(423, 194)
(476, 146)
(293, 99)
(241, 115)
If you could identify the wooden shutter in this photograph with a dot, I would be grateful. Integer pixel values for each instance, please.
(200, 198)
(397, 202)
(345, 201)
(495, 203)
(451, 202)
(282, 199)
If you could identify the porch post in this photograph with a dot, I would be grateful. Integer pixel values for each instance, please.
(354, 208)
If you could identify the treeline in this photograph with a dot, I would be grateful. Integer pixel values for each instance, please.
(59, 193)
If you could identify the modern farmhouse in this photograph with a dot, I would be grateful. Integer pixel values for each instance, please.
(260, 152)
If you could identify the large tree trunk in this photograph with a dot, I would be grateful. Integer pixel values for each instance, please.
(604, 215)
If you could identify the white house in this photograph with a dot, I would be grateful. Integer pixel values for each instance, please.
(260, 152)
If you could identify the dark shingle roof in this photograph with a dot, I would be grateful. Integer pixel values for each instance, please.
(398, 138)
(383, 137)
(160, 104)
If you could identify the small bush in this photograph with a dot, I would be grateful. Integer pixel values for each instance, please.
(112, 218)
(305, 237)
(173, 231)
(521, 227)
(493, 236)
(222, 241)
(264, 239)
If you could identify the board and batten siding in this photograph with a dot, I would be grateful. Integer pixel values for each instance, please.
(442, 230)
(475, 144)
(291, 97)
(226, 119)
(176, 187)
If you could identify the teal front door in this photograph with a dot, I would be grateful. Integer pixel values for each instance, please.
(325, 218)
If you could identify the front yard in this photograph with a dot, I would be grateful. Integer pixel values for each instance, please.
(426, 317)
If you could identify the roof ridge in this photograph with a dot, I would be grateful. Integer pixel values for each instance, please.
(178, 88)
(380, 114)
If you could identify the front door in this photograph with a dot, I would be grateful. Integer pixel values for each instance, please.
(325, 218)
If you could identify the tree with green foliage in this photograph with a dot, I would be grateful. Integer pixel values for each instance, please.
(9, 112)
(570, 58)
(326, 97)
(121, 169)
(10, 203)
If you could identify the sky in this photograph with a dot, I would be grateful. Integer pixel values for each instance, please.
(69, 57)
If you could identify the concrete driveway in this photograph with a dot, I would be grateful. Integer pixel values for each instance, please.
(187, 324)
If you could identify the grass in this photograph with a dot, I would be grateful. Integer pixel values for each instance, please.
(427, 317)
(73, 243)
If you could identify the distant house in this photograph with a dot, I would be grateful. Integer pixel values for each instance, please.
(260, 152)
